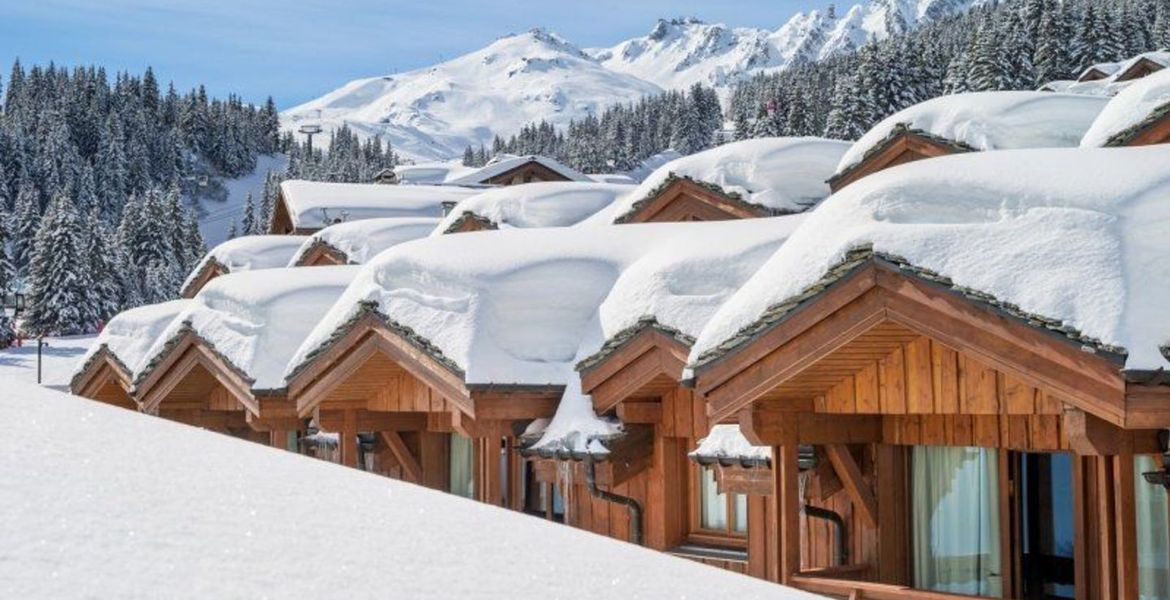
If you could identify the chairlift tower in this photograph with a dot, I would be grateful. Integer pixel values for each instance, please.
(309, 131)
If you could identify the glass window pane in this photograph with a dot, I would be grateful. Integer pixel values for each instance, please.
(461, 480)
(740, 512)
(955, 505)
(1153, 532)
(712, 504)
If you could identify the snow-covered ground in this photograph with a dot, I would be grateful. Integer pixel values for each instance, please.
(210, 516)
(215, 218)
(59, 359)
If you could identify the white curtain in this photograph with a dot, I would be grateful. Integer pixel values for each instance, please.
(713, 514)
(461, 457)
(955, 507)
(1153, 532)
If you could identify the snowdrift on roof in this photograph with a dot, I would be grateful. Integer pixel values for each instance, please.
(546, 204)
(782, 174)
(1142, 100)
(315, 204)
(131, 333)
(990, 121)
(514, 306)
(1042, 229)
(502, 164)
(122, 523)
(362, 240)
(249, 253)
(256, 320)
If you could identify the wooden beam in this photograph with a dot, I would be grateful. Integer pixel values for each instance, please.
(767, 427)
(851, 478)
(756, 481)
(348, 443)
(644, 413)
(514, 406)
(787, 472)
(364, 420)
(410, 465)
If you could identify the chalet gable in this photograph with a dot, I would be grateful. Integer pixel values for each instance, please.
(1141, 67)
(104, 378)
(1154, 129)
(321, 254)
(644, 361)
(882, 304)
(468, 222)
(904, 144)
(682, 198)
(209, 269)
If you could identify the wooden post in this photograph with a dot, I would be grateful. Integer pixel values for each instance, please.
(487, 470)
(1126, 523)
(787, 474)
(893, 534)
(278, 439)
(348, 441)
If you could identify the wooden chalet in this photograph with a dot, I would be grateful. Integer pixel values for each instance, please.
(976, 450)
(468, 222)
(106, 379)
(321, 254)
(519, 170)
(191, 382)
(686, 199)
(710, 513)
(206, 271)
(244, 253)
(1095, 73)
(1139, 68)
(378, 382)
(904, 144)
(1154, 129)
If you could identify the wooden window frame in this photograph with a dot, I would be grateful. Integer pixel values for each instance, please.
(696, 533)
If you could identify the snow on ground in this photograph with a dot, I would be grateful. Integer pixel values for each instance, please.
(210, 516)
(1129, 108)
(215, 218)
(250, 253)
(991, 121)
(777, 173)
(131, 333)
(255, 320)
(1076, 235)
(363, 240)
(317, 204)
(546, 204)
(58, 361)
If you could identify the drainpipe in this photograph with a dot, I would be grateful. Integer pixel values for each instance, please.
(817, 512)
(631, 505)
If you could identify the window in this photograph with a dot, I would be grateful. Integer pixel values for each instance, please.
(1153, 532)
(715, 514)
(460, 462)
(955, 544)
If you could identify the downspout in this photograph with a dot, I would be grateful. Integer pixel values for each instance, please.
(631, 505)
(817, 512)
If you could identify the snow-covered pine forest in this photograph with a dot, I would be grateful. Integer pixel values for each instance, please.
(1016, 45)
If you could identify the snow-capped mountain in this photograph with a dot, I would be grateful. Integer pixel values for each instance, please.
(436, 112)
(681, 52)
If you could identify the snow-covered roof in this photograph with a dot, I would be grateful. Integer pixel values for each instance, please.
(256, 320)
(675, 292)
(122, 523)
(361, 240)
(430, 172)
(989, 121)
(502, 164)
(130, 334)
(1107, 69)
(1140, 104)
(511, 306)
(780, 174)
(247, 253)
(545, 204)
(725, 444)
(1043, 232)
(621, 178)
(1158, 57)
(679, 292)
(316, 204)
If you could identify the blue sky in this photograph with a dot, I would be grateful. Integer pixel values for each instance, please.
(296, 50)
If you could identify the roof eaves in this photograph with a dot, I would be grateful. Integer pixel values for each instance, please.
(623, 337)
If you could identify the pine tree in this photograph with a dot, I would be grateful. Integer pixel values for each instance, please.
(26, 223)
(59, 301)
(249, 224)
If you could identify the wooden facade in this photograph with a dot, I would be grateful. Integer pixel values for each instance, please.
(531, 171)
(468, 222)
(104, 378)
(1154, 129)
(903, 145)
(1092, 74)
(321, 254)
(883, 364)
(1140, 68)
(210, 269)
(684, 199)
(374, 380)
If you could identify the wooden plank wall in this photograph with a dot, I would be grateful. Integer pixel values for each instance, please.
(934, 395)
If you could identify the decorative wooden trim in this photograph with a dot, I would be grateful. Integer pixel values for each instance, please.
(878, 293)
(903, 145)
(184, 356)
(644, 357)
(683, 199)
(850, 475)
